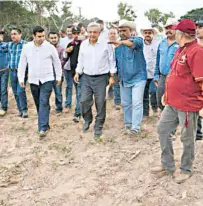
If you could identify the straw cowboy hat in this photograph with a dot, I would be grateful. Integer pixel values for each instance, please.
(126, 23)
(148, 28)
(170, 22)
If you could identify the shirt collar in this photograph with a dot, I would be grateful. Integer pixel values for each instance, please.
(190, 43)
(98, 41)
(20, 42)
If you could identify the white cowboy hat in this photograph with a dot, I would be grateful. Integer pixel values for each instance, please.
(126, 23)
(148, 28)
(170, 22)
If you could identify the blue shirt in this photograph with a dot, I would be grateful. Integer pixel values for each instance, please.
(3, 55)
(14, 52)
(165, 54)
(131, 62)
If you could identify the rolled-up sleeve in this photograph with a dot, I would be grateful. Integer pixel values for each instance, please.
(80, 65)
(56, 64)
(195, 62)
(156, 71)
(112, 59)
(22, 65)
(137, 42)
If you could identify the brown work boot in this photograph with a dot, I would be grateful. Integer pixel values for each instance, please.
(118, 107)
(156, 170)
(160, 171)
(181, 177)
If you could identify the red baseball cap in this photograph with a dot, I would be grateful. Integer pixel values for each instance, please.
(187, 26)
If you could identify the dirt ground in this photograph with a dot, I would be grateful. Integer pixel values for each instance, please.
(69, 169)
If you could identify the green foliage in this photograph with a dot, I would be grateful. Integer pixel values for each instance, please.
(125, 11)
(156, 17)
(195, 14)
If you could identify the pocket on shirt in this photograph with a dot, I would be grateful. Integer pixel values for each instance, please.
(129, 53)
(182, 70)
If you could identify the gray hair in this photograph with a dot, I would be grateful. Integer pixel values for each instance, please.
(95, 25)
(186, 35)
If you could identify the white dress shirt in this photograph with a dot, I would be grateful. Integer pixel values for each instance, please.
(96, 59)
(104, 35)
(65, 41)
(150, 52)
(42, 61)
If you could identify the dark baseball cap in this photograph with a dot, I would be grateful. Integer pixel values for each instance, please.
(76, 30)
(199, 23)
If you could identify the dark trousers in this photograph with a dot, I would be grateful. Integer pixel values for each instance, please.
(4, 89)
(41, 94)
(58, 96)
(152, 94)
(199, 129)
(94, 85)
(160, 91)
(146, 98)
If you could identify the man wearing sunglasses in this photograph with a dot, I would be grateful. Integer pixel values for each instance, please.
(165, 54)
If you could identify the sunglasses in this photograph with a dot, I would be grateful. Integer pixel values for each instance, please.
(122, 30)
(148, 32)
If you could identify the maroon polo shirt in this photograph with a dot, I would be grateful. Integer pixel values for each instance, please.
(183, 84)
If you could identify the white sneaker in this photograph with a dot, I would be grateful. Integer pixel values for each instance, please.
(2, 113)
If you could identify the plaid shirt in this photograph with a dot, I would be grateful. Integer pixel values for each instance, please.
(3, 55)
(14, 52)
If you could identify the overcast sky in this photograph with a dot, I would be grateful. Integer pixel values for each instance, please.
(107, 9)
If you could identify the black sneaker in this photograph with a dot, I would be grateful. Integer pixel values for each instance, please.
(86, 126)
(76, 119)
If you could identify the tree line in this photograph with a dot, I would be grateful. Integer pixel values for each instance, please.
(54, 15)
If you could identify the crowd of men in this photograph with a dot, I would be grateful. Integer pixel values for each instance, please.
(167, 74)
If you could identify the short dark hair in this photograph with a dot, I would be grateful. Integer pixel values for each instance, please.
(80, 25)
(99, 21)
(38, 29)
(63, 31)
(2, 32)
(69, 26)
(17, 29)
(53, 32)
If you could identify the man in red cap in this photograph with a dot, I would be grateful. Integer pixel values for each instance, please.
(184, 100)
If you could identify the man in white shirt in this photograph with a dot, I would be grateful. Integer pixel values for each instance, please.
(113, 36)
(96, 62)
(150, 52)
(42, 59)
(66, 40)
(104, 33)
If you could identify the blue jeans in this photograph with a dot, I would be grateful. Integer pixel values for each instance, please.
(4, 89)
(41, 94)
(117, 95)
(19, 92)
(58, 96)
(132, 102)
(69, 87)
